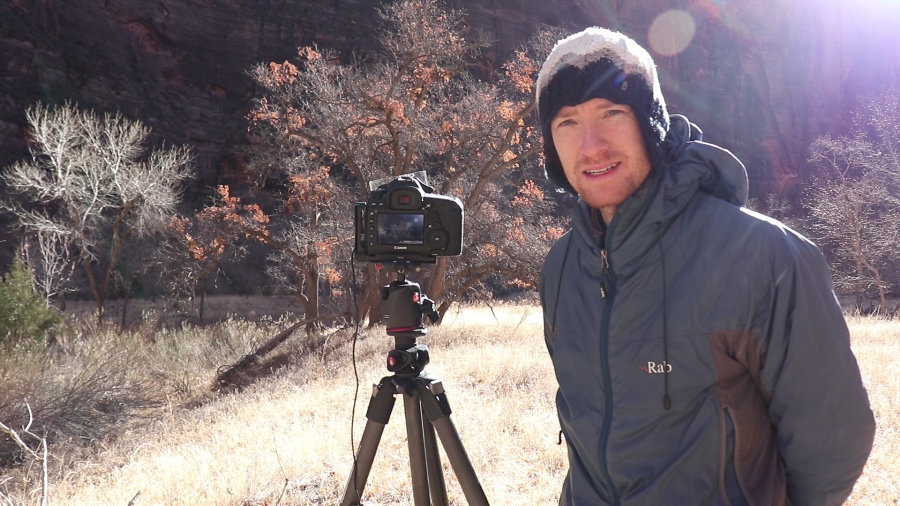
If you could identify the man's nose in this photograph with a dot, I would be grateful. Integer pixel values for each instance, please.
(594, 141)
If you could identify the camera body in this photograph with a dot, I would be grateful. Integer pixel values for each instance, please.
(404, 221)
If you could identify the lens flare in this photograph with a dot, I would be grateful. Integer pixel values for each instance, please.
(671, 32)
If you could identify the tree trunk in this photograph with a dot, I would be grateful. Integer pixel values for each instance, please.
(882, 295)
(95, 289)
(311, 274)
(125, 310)
(437, 280)
(369, 301)
(202, 305)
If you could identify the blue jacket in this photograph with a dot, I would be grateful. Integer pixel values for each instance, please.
(701, 354)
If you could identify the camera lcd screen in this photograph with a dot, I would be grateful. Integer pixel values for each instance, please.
(396, 228)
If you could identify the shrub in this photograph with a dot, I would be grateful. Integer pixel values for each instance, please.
(24, 315)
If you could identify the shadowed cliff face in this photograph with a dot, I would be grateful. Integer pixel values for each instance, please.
(178, 65)
(761, 77)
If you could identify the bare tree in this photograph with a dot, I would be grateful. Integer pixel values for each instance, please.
(47, 256)
(854, 203)
(415, 105)
(90, 186)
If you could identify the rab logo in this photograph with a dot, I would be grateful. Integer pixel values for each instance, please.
(657, 368)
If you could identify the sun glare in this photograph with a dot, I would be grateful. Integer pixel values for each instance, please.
(671, 32)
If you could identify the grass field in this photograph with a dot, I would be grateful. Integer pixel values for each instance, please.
(288, 438)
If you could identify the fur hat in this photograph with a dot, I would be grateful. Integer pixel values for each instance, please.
(600, 63)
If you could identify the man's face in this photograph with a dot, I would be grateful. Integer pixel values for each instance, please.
(602, 152)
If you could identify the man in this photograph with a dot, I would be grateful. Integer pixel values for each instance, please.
(701, 355)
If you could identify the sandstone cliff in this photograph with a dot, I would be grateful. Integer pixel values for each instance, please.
(762, 77)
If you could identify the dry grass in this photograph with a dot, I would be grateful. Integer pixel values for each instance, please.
(877, 347)
(287, 439)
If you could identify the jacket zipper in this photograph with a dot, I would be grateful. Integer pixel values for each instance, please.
(604, 265)
(607, 291)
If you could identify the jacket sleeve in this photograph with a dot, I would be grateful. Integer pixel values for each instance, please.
(547, 332)
(548, 287)
(818, 402)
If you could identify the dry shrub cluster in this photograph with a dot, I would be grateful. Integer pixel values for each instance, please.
(88, 390)
(80, 395)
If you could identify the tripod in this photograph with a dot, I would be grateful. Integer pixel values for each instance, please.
(402, 307)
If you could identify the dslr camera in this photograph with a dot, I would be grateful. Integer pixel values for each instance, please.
(404, 221)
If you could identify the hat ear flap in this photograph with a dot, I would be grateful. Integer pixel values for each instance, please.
(553, 168)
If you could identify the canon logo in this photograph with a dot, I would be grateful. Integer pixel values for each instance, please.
(401, 247)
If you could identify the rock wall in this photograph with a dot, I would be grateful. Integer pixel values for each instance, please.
(178, 65)
(761, 77)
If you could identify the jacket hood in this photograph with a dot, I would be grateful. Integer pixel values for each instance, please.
(718, 172)
(691, 165)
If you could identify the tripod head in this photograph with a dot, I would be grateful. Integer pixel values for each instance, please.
(402, 306)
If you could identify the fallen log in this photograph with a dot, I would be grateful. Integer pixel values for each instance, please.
(251, 366)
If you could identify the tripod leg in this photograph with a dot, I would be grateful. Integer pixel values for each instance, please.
(437, 408)
(416, 440)
(435, 470)
(378, 414)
